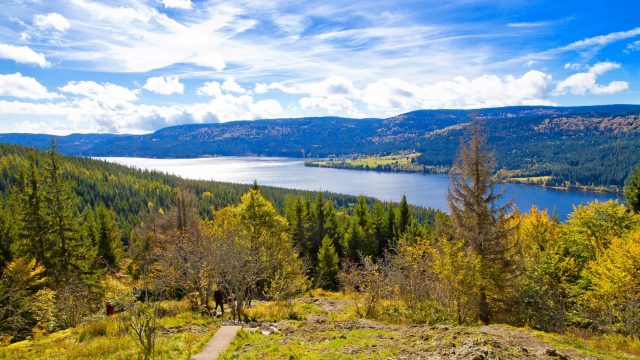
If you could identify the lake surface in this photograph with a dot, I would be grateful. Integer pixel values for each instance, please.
(422, 190)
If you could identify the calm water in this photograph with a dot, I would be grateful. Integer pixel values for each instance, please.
(423, 190)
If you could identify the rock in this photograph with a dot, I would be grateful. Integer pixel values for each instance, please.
(555, 353)
(524, 350)
(274, 330)
(265, 332)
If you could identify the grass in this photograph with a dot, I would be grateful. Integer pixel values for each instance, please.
(322, 345)
(276, 311)
(398, 162)
(607, 346)
(183, 333)
(331, 328)
(538, 180)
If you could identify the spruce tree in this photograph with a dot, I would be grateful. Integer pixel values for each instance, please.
(354, 239)
(480, 217)
(632, 190)
(33, 229)
(110, 247)
(327, 268)
(7, 237)
(404, 217)
(318, 224)
(71, 254)
(331, 225)
(391, 227)
(379, 229)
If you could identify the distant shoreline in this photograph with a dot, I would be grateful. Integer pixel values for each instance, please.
(426, 170)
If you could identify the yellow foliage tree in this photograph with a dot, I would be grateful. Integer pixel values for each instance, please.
(614, 294)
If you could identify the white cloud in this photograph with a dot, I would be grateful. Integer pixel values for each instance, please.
(16, 85)
(261, 88)
(394, 95)
(632, 46)
(586, 82)
(165, 85)
(107, 107)
(574, 66)
(602, 40)
(534, 24)
(23, 55)
(230, 85)
(106, 93)
(178, 4)
(211, 88)
(333, 104)
(53, 21)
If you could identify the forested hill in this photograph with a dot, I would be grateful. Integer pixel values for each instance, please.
(593, 145)
(128, 192)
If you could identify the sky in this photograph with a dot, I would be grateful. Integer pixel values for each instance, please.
(135, 66)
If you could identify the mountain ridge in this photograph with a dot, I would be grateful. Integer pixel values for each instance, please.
(583, 145)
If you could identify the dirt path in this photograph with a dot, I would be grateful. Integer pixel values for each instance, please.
(218, 343)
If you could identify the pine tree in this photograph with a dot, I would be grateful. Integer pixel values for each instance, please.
(632, 190)
(318, 224)
(362, 212)
(331, 225)
(391, 228)
(298, 227)
(327, 268)
(478, 217)
(404, 217)
(109, 244)
(379, 230)
(7, 237)
(33, 222)
(354, 240)
(70, 253)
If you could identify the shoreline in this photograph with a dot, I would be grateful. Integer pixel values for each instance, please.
(444, 171)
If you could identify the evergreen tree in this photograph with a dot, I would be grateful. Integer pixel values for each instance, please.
(391, 229)
(404, 217)
(71, 254)
(318, 224)
(33, 221)
(379, 235)
(7, 237)
(327, 268)
(109, 244)
(478, 217)
(298, 228)
(354, 240)
(632, 190)
(332, 226)
(362, 212)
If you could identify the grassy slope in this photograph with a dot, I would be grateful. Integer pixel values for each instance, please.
(183, 333)
(327, 328)
(321, 326)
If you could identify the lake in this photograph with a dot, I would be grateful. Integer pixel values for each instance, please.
(423, 190)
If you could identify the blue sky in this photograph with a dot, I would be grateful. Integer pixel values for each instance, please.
(136, 66)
